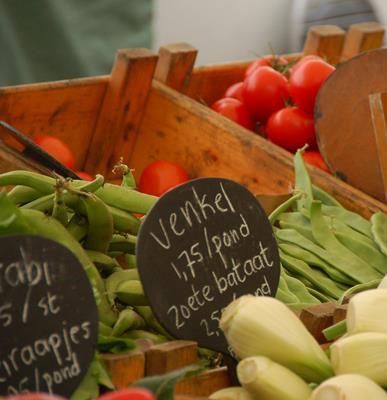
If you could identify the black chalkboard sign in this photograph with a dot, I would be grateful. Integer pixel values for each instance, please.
(202, 245)
(48, 317)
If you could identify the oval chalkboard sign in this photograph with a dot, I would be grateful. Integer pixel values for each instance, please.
(203, 244)
(48, 317)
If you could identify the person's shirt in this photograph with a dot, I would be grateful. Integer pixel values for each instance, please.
(343, 13)
(46, 40)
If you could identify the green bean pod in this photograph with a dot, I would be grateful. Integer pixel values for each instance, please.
(299, 267)
(296, 245)
(70, 198)
(127, 320)
(136, 334)
(379, 230)
(41, 183)
(320, 296)
(295, 217)
(103, 262)
(150, 319)
(324, 197)
(124, 244)
(285, 297)
(78, 227)
(59, 211)
(303, 183)
(283, 207)
(11, 219)
(50, 228)
(302, 229)
(23, 194)
(100, 230)
(115, 279)
(131, 293)
(353, 265)
(300, 290)
(355, 221)
(126, 199)
(104, 330)
(359, 288)
(364, 251)
(315, 261)
(131, 261)
(283, 292)
(124, 221)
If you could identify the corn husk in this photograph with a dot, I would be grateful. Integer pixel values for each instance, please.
(267, 380)
(264, 326)
(364, 354)
(349, 387)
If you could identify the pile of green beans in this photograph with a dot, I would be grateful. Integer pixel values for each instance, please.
(330, 251)
(96, 221)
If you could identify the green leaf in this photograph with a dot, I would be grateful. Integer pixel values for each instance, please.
(163, 386)
(110, 344)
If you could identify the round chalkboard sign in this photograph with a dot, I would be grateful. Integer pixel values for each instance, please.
(203, 244)
(48, 317)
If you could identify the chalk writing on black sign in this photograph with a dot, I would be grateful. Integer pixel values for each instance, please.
(210, 242)
(48, 317)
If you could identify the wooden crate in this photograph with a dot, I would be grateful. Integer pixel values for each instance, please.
(125, 369)
(140, 112)
(147, 109)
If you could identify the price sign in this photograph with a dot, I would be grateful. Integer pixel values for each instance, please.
(202, 245)
(48, 317)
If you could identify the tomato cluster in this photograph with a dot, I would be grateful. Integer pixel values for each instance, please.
(277, 99)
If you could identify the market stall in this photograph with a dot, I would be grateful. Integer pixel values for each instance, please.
(105, 285)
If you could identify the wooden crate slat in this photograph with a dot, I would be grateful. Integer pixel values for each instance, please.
(11, 160)
(204, 384)
(175, 65)
(325, 41)
(122, 109)
(208, 83)
(170, 356)
(125, 368)
(174, 127)
(362, 37)
(378, 106)
(65, 109)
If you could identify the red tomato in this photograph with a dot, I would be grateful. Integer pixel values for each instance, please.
(84, 175)
(306, 80)
(235, 110)
(131, 393)
(302, 60)
(264, 92)
(267, 61)
(57, 149)
(160, 176)
(234, 91)
(315, 158)
(291, 128)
